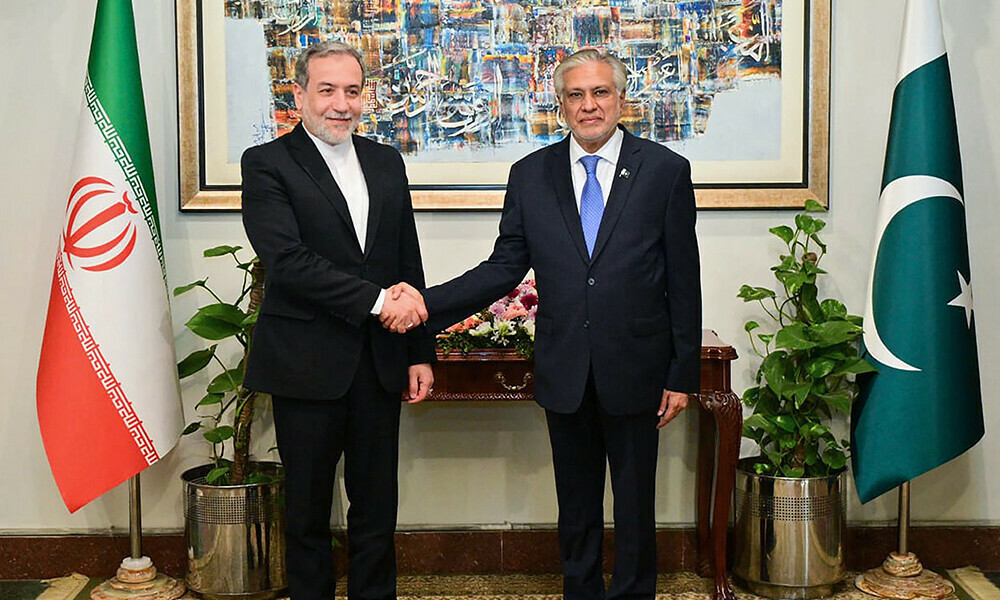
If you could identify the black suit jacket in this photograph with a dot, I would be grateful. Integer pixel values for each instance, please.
(632, 313)
(320, 284)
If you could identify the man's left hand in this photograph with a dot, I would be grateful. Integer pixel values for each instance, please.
(670, 406)
(421, 380)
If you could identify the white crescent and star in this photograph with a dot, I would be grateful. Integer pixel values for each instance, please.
(896, 196)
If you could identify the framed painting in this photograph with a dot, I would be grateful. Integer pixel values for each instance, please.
(463, 88)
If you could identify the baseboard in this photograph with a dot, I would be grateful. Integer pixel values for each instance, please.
(484, 551)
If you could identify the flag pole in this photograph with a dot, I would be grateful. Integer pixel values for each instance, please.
(135, 517)
(137, 578)
(901, 575)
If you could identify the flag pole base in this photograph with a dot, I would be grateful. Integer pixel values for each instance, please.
(901, 576)
(137, 579)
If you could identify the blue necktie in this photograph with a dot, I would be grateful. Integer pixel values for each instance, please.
(591, 203)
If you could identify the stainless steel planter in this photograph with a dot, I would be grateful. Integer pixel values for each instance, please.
(235, 536)
(789, 537)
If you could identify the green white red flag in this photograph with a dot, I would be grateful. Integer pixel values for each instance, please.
(924, 406)
(108, 398)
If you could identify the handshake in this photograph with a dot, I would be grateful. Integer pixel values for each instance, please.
(403, 308)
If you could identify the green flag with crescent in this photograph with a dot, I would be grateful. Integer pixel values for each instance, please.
(924, 406)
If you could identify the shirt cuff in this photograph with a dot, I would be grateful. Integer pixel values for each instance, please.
(377, 307)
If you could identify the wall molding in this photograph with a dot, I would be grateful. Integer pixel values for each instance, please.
(483, 551)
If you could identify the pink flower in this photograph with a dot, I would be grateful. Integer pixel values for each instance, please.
(499, 307)
(465, 325)
(514, 311)
(529, 300)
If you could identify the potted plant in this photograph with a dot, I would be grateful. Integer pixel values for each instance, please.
(488, 356)
(233, 507)
(790, 505)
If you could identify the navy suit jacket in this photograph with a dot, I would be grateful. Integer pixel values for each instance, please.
(320, 283)
(631, 313)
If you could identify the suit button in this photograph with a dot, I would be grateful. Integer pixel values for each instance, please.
(586, 324)
(590, 281)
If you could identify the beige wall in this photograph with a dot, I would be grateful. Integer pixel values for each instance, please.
(466, 466)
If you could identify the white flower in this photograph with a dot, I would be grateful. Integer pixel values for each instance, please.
(529, 326)
(481, 329)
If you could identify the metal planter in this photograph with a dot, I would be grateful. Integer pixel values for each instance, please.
(235, 536)
(789, 537)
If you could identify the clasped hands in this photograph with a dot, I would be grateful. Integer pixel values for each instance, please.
(403, 308)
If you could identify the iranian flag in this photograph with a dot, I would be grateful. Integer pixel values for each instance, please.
(108, 399)
(924, 406)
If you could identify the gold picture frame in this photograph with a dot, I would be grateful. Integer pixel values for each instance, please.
(811, 117)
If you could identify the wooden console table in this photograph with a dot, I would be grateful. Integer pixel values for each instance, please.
(500, 375)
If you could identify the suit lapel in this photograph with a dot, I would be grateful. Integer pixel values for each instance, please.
(629, 161)
(304, 151)
(370, 170)
(558, 168)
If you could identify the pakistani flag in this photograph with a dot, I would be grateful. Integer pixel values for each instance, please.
(923, 408)
(108, 400)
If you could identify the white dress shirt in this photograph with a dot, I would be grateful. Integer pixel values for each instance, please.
(342, 160)
(605, 167)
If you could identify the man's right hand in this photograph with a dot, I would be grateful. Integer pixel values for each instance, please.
(403, 308)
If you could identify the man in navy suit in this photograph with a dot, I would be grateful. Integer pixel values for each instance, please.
(607, 221)
(329, 215)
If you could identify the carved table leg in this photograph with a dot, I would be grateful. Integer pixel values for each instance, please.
(728, 414)
(703, 490)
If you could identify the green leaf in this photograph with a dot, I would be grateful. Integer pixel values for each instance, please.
(813, 430)
(217, 321)
(221, 251)
(819, 243)
(210, 399)
(813, 205)
(834, 332)
(799, 392)
(837, 401)
(765, 337)
(219, 434)
(761, 422)
(750, 396)
(750, 294)
(834, 458)
(793, 337)
(795, 281)
(750, 326)
(185, 288)
(227, 381)
(251, 319)
(808, 224)
(856, 366)
(773, 369)
(785, 422)
(195, 362)
(784, 232)
(794, 472)
(820, 367)
(811, 309)
(761, 468)
(834, 309)
(191, 428)
(217, 476)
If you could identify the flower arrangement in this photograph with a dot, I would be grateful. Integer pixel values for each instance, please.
(507, 323)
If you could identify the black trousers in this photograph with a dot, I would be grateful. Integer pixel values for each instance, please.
(312, 434)
(583, 443)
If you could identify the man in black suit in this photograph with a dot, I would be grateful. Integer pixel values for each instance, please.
(329, 215)
(607, 221)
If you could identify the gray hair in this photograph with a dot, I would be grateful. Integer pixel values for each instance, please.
(585, 56)
(319, 51)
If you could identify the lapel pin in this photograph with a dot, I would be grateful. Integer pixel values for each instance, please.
(624, 174)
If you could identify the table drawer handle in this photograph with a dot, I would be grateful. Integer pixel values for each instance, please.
(513, 388)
